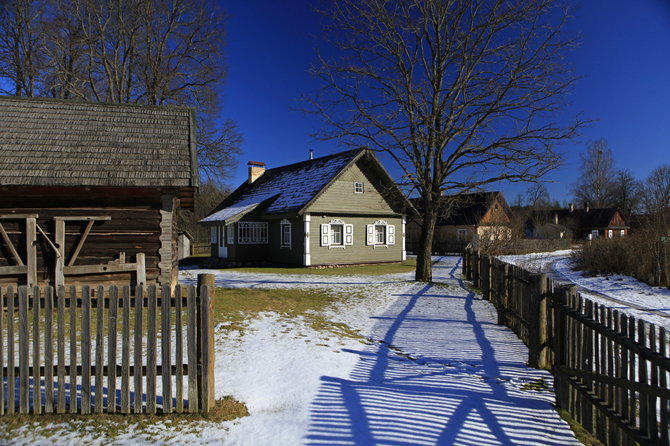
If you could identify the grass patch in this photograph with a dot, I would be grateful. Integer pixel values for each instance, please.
(113, 425)
(581, 434)
(537, 385)
(368, 270)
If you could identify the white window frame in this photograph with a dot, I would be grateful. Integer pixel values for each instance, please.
(622, 233)
(594, 234)
(285, 237)
(371, 234)
(327, 234)
(359, 187)
(252, 233)
(220, 238)
(610, 233)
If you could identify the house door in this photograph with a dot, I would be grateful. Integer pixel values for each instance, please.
(223, 250)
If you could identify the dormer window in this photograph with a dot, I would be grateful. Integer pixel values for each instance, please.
(358, 187)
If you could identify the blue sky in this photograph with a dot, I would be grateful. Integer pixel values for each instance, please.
(623, 62)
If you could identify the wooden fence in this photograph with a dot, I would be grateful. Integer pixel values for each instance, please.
(93, 351)
(611, 371)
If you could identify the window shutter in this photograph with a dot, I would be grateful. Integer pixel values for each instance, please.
(348, 235)
(370, 234)
(230, 230)
(212, 235)
(390, 235)
(325, 235)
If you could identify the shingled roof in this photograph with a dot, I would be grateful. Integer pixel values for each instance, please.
(47, 142)
(289, 189)
(468, 208)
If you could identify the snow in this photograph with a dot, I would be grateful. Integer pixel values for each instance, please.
(632, 297)
(232, 211)
(431, 367)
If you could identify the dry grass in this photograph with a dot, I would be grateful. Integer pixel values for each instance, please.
(368, 270)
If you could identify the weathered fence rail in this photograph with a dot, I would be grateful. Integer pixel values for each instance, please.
(611, 371)
(106, 350)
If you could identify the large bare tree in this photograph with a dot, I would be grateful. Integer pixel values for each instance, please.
(128, 51)
(595, 184)
(460, 93)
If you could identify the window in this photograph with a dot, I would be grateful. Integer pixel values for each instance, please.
(610, 233)
(380, 234)
(337, 234)
(252, 233)
(622, 233)
(230, 230)
(594, 234)
(461, 235)
(358, 187)
(285, 226)
(221, 236)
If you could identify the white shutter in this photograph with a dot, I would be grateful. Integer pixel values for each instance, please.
(390, 235)
(370, 234)
(325, 235)
(348, 235)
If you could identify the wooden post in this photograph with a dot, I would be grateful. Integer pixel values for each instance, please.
(466, 262)
(475, 269)
(502, 294)
(206, 292)
(59, 277)
(537, 336)
(486, 277)
(31, 252)
(141, 269)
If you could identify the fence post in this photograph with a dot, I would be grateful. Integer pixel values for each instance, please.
(206, 344)
(560, 344)
(475, 270)
(537, 333)
(486, 276)
(466, 260)
(502, 294)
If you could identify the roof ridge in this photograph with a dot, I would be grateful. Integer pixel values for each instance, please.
(321, 158)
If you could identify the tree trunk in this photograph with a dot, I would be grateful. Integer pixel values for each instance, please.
(424, 264)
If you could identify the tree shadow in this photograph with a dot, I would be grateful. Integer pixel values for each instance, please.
(441, 372)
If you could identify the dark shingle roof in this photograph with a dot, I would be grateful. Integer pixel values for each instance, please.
(64, 143)
(466, 209)
(581, 218)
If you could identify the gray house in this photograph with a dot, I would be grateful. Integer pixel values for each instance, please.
(89, 191)
(337, 209)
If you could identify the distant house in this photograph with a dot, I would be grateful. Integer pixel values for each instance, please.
(337, 209)
(580, 224)
(89, 191)
(465, 218)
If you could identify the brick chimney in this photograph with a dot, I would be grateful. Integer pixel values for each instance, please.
(256, 169)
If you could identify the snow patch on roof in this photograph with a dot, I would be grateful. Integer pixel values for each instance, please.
(229, 213)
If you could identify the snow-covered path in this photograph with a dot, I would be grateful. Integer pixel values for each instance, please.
(439, 372)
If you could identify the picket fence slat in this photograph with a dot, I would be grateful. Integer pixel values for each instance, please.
(612, 371)
(43, 374)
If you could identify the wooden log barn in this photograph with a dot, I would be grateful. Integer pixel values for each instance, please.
(89, 191)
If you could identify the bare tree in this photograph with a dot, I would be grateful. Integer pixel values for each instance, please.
(626, 192)
(21, 44)
(127, 51)
(460, 93)
(656, 203)
(537, 196)
(595, 184)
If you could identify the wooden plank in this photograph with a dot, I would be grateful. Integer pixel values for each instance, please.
(652, 422)
(73, 349)
(137, 362)
(37, 358)
(191, 343)
(10, 246)
(179, 350)
(632, 400)
(11, 342)
(140, 269)
(125, 353)
(623, 329)
(24, 382)
(48, 350)
(17, 216)
(99, 348)
(642, 378)
(587, 364)
(207, 340)
(166, 348)
(151, 350)
(663, 384)
(86, 350)
(60, 369)
(2, 351)
(111, 351)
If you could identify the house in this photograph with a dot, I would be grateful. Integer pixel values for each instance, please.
(337, 209)
(89, 191)
(465, 218)
(580, 224)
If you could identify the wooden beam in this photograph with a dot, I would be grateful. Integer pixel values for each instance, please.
(89, 225)
(100, 269)
(31, 251)
(10, 246)
(60, 259)
(81, 218)
(17, 216)
(12, 270)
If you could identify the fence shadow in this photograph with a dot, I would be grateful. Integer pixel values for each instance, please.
(439, 373)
